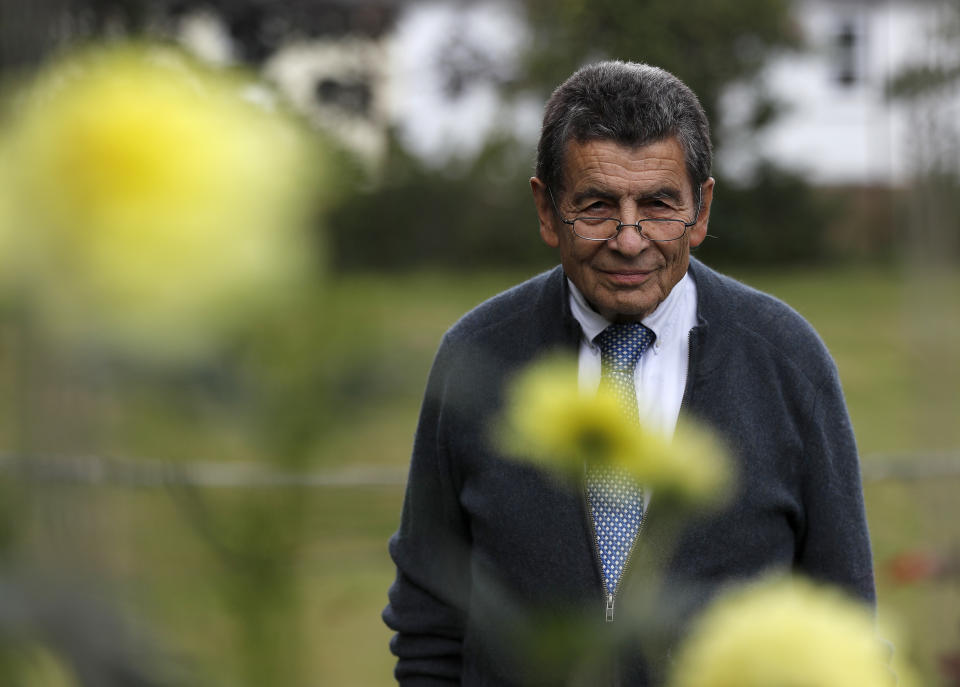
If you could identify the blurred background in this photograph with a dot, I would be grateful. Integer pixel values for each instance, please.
(222, 519)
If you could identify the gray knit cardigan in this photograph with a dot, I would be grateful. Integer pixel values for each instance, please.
(484, 541)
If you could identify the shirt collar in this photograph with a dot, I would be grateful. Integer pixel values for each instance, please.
(591, 322)
(662, 321)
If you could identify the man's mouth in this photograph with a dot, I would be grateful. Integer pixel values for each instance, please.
(628, 277)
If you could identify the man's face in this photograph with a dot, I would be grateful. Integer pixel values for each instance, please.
(627, 277)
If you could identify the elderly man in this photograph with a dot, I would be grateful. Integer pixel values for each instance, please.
(623, 192)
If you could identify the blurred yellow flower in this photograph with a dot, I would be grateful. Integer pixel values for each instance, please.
(154, 199)
(785, 632)
(693, 465)
(550, 421)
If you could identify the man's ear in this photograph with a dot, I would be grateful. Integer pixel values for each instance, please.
(545, 212)
(698, 232)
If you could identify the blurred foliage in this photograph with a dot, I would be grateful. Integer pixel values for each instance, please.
(479, 212)
(919, 80)
(474, 213)
(936, 69)
(143, 216)
(926, 88)
(779, 219)
(267, 401)
(931, 210)
(709, 44)
(481, 215)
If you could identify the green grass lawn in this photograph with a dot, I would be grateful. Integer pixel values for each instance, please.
(895, 336)
(900, 370)
(899, 367)
(898, 363)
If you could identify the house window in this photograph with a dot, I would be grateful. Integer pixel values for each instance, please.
(354, 96)
(845, 48)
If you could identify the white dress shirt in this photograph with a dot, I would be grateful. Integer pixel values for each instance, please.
(661, 373)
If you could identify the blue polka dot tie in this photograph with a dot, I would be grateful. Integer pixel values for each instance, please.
(616, 500)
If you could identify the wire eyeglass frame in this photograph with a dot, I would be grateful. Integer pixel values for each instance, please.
(620, 225)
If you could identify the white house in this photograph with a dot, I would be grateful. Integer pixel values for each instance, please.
(417, 75)
(838, 124)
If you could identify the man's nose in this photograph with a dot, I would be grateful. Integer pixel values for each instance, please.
(629, 241)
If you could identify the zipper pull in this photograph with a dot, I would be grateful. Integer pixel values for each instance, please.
(609, 608)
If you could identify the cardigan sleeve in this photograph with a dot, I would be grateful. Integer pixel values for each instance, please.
(427, 601)
(835, 546)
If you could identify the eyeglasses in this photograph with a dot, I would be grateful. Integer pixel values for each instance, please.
(606, 228)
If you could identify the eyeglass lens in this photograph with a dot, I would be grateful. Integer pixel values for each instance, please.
(653, 229)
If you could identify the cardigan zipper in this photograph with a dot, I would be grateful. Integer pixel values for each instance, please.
(626, 564)
(688, 383)
(609, 598)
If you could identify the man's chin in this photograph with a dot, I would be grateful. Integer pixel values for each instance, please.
(626, 309)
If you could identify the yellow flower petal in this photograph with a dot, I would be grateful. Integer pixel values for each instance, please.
(551, 422)
(153, 201)
(784, 633)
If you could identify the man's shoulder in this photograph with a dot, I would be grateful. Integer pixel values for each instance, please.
(721, 293)
(730, 307)
(507, 331)
(537, 298)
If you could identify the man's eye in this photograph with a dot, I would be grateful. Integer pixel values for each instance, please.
(658, 207)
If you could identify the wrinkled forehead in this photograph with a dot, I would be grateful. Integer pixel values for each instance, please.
(638, 149)
(605, 164)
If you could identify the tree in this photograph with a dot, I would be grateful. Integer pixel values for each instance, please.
(709, 44)
(927, 90)
(470, 214)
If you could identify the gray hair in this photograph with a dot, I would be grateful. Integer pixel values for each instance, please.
(630, 104)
